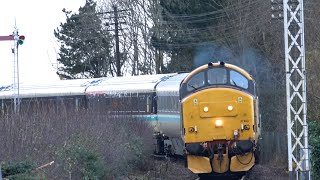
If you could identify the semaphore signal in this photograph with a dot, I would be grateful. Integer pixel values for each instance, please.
(18, 40)
(6, 38)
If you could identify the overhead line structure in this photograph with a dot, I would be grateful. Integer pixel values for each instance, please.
(297, 127)
(234, 8)
(190, 34)
(116, 29)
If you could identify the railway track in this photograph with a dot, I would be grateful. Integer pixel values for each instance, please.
(222, 178)
(166, 164)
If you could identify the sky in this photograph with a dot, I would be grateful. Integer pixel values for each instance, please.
(36, 20)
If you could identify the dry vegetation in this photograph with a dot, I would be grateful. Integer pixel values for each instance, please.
(163, 169)
(81, 143)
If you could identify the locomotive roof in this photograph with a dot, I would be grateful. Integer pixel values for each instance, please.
(48, 88)
(127, 84)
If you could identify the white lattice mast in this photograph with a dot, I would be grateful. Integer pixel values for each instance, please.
(16, 82)
(297, 127)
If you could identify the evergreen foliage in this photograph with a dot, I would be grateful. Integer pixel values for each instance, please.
(186, 24)
(18, 170)
(314, 128)
(81, 159)
(85, 45)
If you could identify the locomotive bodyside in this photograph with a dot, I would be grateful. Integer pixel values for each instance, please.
(219, 119)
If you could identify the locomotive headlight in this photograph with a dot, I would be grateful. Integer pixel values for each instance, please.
(219, 123)
(230, 108)
(205, 109)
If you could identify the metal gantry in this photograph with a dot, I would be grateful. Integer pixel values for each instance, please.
(297, 127)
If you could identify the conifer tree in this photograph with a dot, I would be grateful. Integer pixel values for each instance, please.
(85, 50)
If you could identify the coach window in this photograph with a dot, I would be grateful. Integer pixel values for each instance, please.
(196, 82)
(237, 79)
(217, 76)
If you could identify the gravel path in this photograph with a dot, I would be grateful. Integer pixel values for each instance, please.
(266, 172)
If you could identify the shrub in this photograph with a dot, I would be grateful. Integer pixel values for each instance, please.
(81, 159)
(19, 170)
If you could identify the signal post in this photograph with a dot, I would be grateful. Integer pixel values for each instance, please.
(18, 40)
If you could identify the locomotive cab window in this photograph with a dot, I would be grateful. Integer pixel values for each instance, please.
(196, 82)
(217, 76)
(237, 79)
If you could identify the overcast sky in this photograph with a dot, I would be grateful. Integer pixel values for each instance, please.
(36, 20)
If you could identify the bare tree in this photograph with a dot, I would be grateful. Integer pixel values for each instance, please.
(135, 22)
